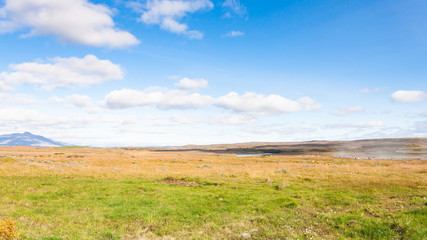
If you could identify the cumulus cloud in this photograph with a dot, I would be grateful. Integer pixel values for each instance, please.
(250, 103)
(168, 14)
(234, 7)
(62, 72)
(164, 99)
(192, 84)
(408, 96)
(259, 104)
(4, 86)
(80, 100)
(72, 21)
(235, 34)
(348, 110)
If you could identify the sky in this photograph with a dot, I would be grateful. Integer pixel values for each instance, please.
(177, 72)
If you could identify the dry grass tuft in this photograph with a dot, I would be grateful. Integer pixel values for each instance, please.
(8, 230)
(182, 182)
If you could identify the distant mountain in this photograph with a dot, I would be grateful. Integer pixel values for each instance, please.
(28, 139)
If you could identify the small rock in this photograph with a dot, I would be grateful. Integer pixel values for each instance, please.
(246, 235)
(205, 166)
(281, 187)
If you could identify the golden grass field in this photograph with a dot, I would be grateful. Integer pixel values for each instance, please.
(119, 193)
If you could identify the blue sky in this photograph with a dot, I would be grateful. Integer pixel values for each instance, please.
(175, 72)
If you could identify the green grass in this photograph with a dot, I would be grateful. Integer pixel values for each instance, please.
(101, 208)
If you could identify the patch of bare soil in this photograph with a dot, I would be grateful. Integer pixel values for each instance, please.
(181, 182)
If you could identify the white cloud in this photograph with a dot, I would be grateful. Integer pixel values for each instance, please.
(237, 120)
(4, 86)
(421, 127)
(348, 110)
(309, 104)
(369, 124)
(56, 99)
(368, 90)
(62, 72)
(192, 84)
(183, 119)
(234, 6)
(279, 128)
(24, 99)
(164, 99)
(235, 34)
(408, 96)
(83, 102)
(31, 119)
(168, 13)
(17, 116)
(249, 103)
(80, 100)
(258, 104)
(72, 21)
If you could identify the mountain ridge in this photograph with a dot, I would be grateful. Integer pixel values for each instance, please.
(28, 139)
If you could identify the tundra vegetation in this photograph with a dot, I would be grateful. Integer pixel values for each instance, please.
(118, 193)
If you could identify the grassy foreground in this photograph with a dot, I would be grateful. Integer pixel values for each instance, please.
(88, 193)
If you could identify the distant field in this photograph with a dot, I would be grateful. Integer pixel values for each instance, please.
(117, 193)
(388, 148)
